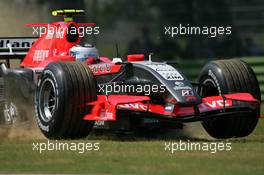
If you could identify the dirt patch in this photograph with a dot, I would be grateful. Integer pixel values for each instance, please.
(25, 129)
(191, 131)
(196, 130)
(21, 130)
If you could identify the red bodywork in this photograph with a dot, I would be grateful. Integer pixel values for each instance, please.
(50, 48)
(105, 108)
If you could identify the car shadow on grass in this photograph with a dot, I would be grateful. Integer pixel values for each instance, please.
(149, 135)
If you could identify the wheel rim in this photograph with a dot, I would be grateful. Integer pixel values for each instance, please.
(47, 100)
(210, 89)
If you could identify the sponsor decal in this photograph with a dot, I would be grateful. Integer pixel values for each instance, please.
(17, 42)
(215, 104)
(109, 115)
(181, 88)
(101, 68)
(99, 123)
(179, 84)
(187, 92)
(40, 55)
(169, 108)
(133, 106)
(219, 103)
(166, 71)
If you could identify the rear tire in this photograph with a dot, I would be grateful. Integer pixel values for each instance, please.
(16, 96)
(224, 77)
(62, 95)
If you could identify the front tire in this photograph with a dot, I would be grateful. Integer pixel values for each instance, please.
(224, 77)
(62, 95)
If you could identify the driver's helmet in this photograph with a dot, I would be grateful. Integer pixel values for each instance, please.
(84, 52)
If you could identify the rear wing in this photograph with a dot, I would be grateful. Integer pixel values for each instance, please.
(15, 48)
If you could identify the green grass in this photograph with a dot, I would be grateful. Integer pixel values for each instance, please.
(136, 156)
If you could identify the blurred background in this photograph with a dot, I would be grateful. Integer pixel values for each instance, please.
(138, 26)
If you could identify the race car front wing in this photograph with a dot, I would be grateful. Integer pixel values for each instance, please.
(106, 107)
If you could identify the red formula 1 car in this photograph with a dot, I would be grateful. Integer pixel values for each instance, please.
(74, 88)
